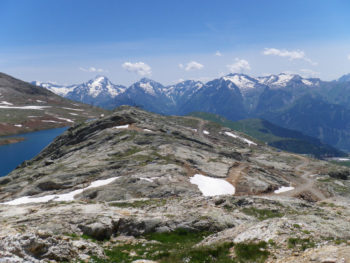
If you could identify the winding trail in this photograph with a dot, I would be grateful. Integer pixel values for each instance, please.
(307, 184)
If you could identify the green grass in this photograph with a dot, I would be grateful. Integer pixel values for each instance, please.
(251, 252)
(261, 214)
(346, 163)
(178, 247)
(300, 243)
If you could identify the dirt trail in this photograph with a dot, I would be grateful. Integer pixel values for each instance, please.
(236, 172)
(307, 184)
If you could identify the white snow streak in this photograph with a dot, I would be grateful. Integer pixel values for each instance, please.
(249, 142)
(61, 197)
(122, 126)
(25, 107)
(231, 134)
(64, 119)
(6, 103)
(283, 189)
(72, 109)
(51, 121)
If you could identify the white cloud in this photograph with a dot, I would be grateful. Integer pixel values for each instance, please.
(218, 53)
(92, 69)
(139, 68)
(290, 54)
(193, 65)
(240, 65)
(309, 73)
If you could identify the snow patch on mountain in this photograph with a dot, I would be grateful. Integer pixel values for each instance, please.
(147, 87)
(53, 87)
(241, 81)
(280, 80)
(212, 186)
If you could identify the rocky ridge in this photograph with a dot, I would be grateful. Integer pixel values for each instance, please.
(150, 161)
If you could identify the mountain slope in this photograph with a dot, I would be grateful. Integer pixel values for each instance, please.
(275, 136)
(25, 107)
(149, 95)
(316, 118)
(221, 92)
(344, 78)
(136, 185)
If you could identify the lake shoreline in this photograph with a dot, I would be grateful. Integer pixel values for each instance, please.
(6, 141)
(14, 150)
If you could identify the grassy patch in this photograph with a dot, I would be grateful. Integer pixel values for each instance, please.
(300, 243)
(178, 247)
(346, 163)
(261, 214)
(251, 252)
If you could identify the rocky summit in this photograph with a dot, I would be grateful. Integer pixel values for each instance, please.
(141, 187)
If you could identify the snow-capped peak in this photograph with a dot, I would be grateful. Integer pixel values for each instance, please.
(187, 87)
(242, 81)
(284, 79)
(54, 87)
(280, 80)
(101, 84)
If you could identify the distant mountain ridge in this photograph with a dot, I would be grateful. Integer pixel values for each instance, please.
(282, 99)
(275, 136)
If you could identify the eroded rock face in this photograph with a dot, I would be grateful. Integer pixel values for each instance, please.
(152, 159)
(40, 247)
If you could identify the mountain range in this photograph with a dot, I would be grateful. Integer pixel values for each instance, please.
(319, 109)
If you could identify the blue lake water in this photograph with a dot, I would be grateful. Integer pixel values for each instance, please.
(12, 155)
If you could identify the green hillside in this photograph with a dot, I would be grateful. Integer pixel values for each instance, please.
(275, 136)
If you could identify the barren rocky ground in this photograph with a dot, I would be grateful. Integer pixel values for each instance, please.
(122, 189)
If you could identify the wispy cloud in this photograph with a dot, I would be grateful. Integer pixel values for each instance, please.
(193, 65)
(349, 57)
(139, 68)
(93, 69)
(240, 65)
(218, 53)
(290, 54)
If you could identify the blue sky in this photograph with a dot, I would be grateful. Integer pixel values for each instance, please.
(71, 41)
